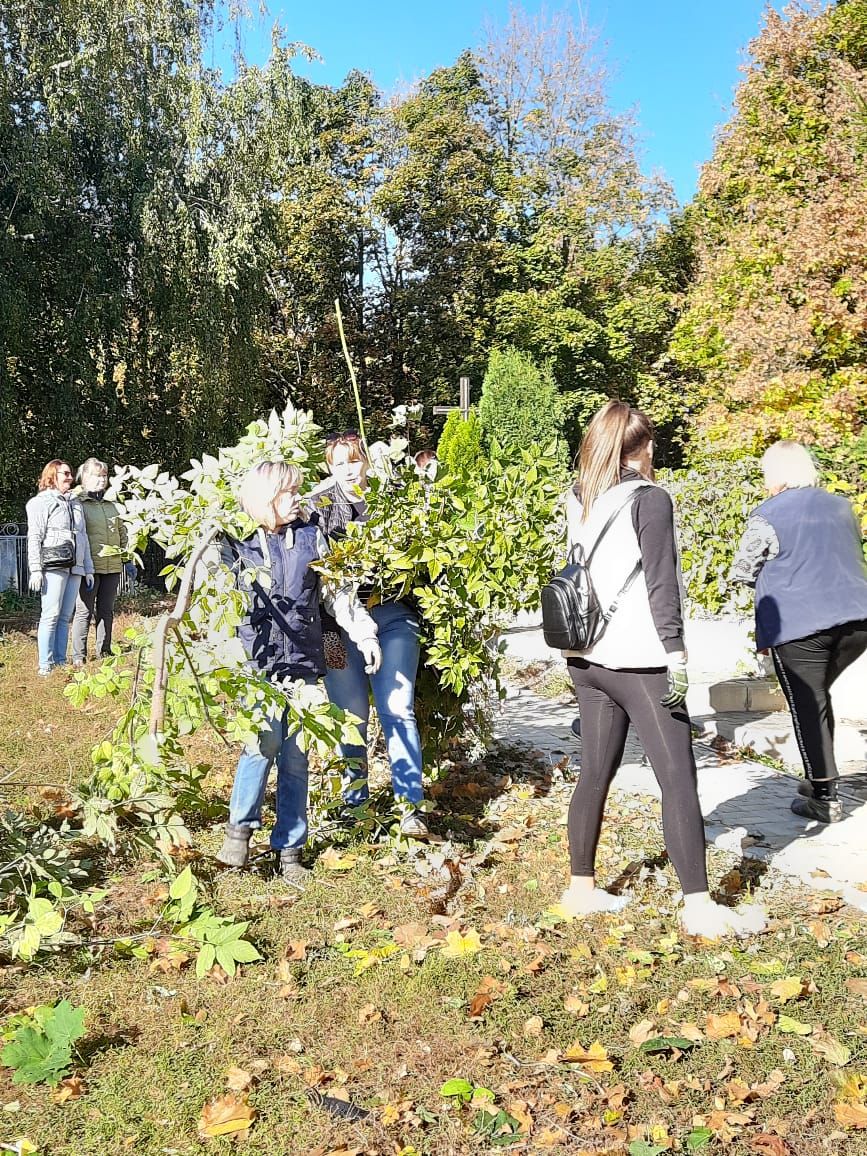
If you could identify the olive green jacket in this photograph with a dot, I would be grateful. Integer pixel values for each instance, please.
(104, 528)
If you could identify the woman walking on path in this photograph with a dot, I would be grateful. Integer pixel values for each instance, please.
(339, 502)
(802, 550)
(636, 672)
(58, 555)
(282, 636)
(105, 527)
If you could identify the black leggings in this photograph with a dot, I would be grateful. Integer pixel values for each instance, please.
(807, 669)
(608, 700)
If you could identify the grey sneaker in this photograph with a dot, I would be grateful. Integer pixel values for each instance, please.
(413, 826)
(236, 846)
(291, 869)
(822, 810)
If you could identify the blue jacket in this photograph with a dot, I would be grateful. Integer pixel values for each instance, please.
(818, 579)
(282, 632)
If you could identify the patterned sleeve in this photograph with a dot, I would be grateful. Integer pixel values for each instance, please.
(758, 545)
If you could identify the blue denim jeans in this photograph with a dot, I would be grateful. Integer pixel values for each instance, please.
(59, 591)
(393, 688)
(251, 778)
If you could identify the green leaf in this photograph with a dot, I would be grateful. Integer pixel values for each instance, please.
(666, 1044)
(182, 884)
(457, 1087)
(642, 1148)
(698, 1138)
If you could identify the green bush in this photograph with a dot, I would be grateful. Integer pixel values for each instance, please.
(460, 444)
(520, 405)
(711, 508)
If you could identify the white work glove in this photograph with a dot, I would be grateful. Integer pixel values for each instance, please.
(371, 654)
(88, 581)
(36, 581)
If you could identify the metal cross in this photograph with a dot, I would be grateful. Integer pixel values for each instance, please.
(463, 406)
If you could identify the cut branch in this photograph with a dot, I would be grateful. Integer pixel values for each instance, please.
(169, 621)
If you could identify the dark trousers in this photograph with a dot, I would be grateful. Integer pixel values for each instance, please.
(609, 700)
(96, 605)
(807, 669)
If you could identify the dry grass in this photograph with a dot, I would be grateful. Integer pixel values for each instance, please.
(160, 1044)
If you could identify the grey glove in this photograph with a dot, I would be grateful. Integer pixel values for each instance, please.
(88, 581)
(36, 581)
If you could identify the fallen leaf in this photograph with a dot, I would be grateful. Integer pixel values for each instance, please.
(458, 946)
(641, 1032)
(788, 988)
(369, 910)
(576, 1006)
(851, 1115)
(409, 935)
(821, 932)
(857, 987)
(369, 1014)
(769, 1145)
(226, 1116)
(594, 1058)
(296, 950)
(793, 1027)
(831, 1049)
(237, 1080)
(533, 1027)
(719, 1027)
(72, 1088)
(333, 860)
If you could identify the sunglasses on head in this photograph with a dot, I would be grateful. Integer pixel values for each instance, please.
(347, 435)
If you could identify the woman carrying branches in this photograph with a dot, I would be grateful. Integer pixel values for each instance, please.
(348, 681)
(282, 637)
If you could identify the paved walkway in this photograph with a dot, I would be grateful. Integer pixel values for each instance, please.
(745, 803)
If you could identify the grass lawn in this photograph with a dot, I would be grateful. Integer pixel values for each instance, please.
(404, 968)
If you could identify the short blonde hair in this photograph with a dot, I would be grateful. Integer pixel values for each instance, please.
(789, 465)
(90, 466)
(260, 488)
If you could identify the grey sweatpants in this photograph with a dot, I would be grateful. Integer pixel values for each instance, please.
(95, 605)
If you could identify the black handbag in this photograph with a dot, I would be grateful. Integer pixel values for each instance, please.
(61, 556)
(572, 617)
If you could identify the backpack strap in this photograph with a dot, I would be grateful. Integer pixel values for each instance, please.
(611, 520)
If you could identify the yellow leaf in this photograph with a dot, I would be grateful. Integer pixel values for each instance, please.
(594, 1058)
(719, 1027)
(334, 861)
(793, 1027)
(225, 1116)
(558, 912)
(599, 985)
(788, 988)
(458, 946)
(831, 1049)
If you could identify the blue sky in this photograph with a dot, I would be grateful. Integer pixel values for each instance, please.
(675, 62)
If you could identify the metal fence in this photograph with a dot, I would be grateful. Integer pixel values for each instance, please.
(14, 571)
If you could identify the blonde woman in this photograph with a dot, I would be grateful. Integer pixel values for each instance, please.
(802, 551)
(104, 528)
(282, 636)
(58, 555)
(636, 672)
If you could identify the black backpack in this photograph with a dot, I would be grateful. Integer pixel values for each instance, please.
(572, 618)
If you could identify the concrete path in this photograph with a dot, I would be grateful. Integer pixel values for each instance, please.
(745, 804)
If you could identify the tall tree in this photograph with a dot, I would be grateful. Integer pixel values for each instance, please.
(775, 327)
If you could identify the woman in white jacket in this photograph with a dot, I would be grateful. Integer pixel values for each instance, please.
(58, 555)
(636, 671)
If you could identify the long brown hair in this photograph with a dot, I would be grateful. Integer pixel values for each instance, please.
(48, 477)
(616, 431)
